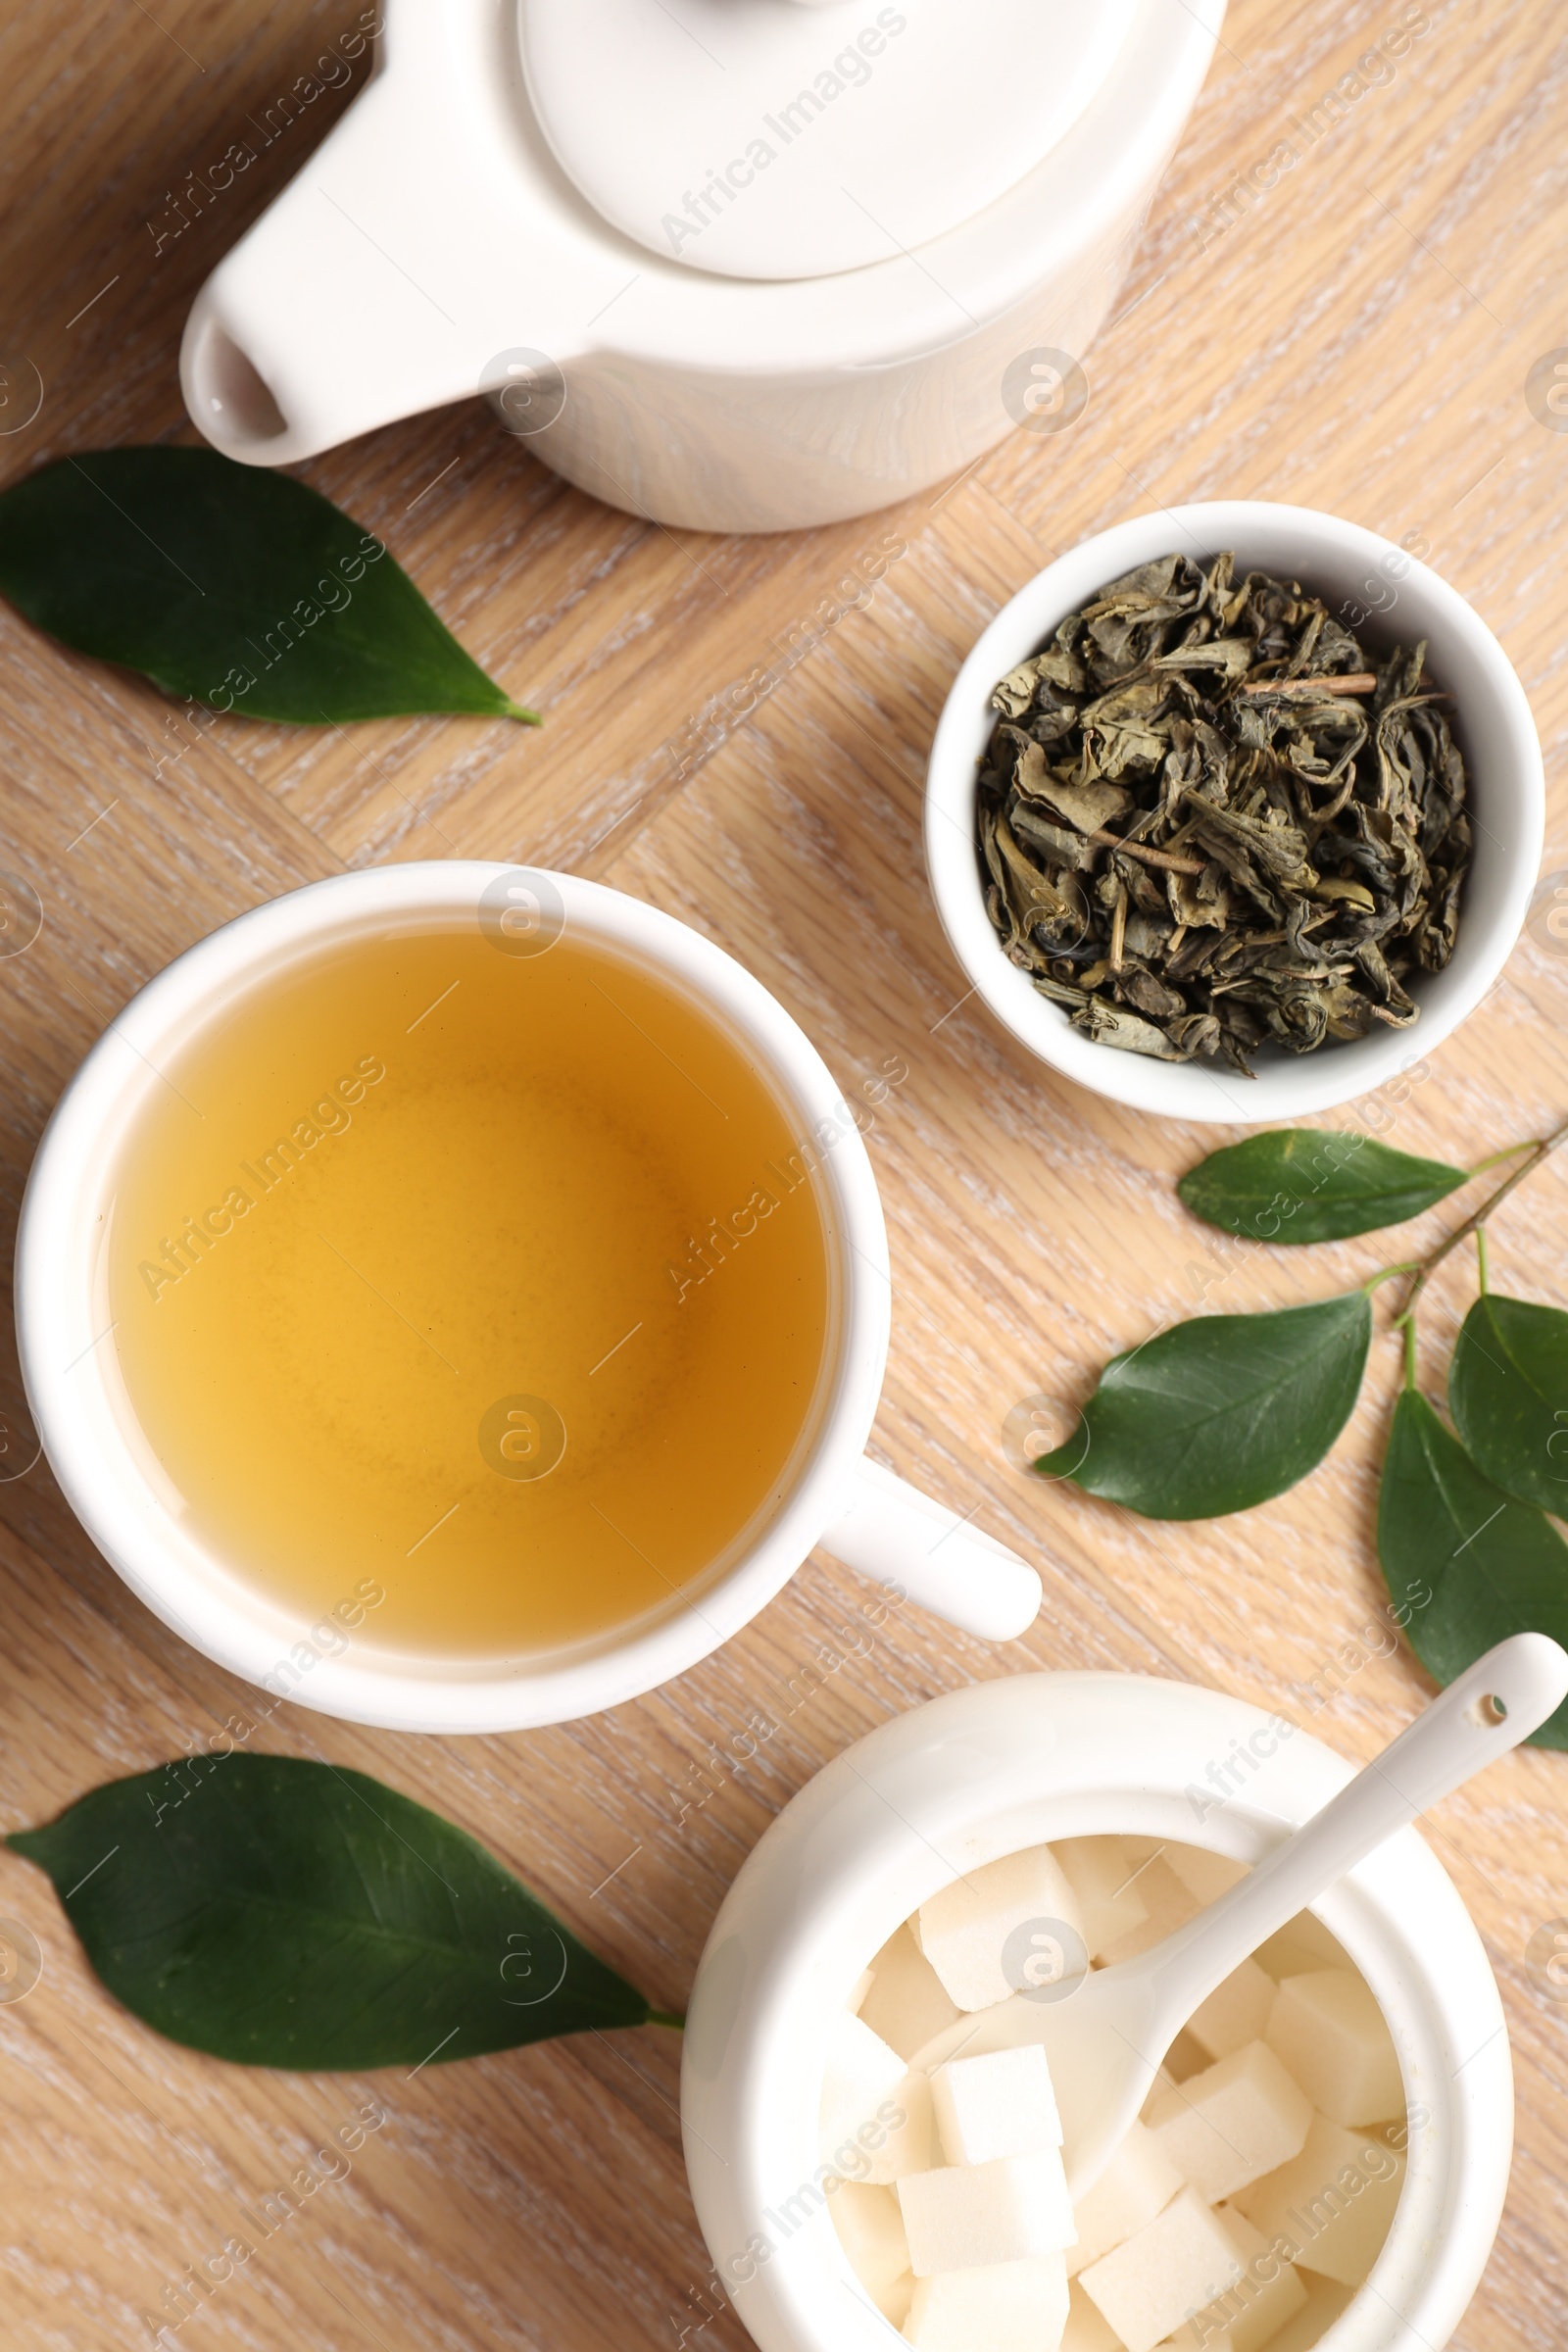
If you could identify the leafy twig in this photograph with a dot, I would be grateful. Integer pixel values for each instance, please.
(1538, 1152)
(1374, 1282)
(1495, 1160)
(1221, 1411)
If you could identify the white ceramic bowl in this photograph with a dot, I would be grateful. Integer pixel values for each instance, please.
(1343, 564)
(981, 1773)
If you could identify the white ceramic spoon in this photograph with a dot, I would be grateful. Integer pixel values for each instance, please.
(1104, 2039)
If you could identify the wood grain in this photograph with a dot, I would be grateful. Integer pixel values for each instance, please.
(1356, 337)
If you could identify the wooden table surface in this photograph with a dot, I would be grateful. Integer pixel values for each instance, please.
(1359, 340)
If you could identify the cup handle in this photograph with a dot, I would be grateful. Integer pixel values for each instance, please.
(891, 1532)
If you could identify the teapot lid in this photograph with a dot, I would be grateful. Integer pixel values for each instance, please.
(799, 138)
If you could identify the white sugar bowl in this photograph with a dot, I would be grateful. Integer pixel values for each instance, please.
(987, 1771)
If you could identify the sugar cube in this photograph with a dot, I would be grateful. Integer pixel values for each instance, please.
(1001, 2307)
(859, 2075)
(1233, 2123)
(1329, 2030)
(1186, 2056)
(894, 2303)
(1001, 2104)
(1174, 2265)
(964, 1930)
(1300, 1945)
(1167, 1906)
(1138, 2183)
(1087, 2329)
(1204, 1875)
(1235, 2012)
(911, 2145)
(870, 2230)
(1100, 1872)
(1325, 2301)
(1266, 2293)
(965, 2216)
(1334, 2202)
(875, 2120)
(906, 2004)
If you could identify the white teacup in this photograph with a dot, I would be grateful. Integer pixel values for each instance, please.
(867, 1518)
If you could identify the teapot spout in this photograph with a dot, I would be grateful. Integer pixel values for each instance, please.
(326, 320)
(227, 395)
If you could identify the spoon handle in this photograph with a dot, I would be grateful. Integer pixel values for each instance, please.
(1489, 1709)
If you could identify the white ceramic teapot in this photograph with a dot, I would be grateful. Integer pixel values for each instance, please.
(737, 265)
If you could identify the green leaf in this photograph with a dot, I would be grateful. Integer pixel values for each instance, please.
(1221, 1412)
(283, 1913)
(232, 585)
(1300, 1185)
(1508, 1394)
(1470, 1564)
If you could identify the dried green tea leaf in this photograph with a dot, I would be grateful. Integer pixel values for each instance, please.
(1231, 655)
(1110, 1025)
(1296, 1184)
(1508, 1394)
(1302, 809)
(1015, 693)
(1055, 845)
(1469, 1563)
(1221, 1412)
(1348, 894)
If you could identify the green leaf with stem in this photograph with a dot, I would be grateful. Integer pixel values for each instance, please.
(231, 586)
(1297, 1184)
(279, 1912)
(1508, 1394)
(1466, 1564)
(1221, 1412)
